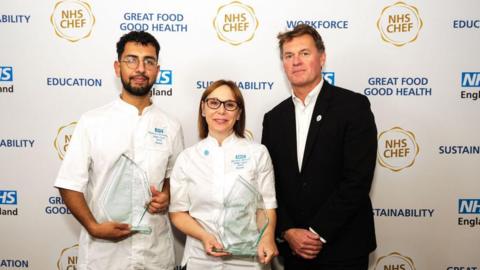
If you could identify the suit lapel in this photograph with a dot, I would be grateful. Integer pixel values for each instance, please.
(290, 129)
(319, 113)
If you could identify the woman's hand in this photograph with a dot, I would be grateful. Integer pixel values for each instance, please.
(212, 246)
(267, 249)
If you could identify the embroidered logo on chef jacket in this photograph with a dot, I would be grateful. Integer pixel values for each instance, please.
(239, 161)
(159, 135)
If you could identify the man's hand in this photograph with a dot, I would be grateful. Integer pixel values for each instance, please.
(113, 231)
(303, 242)
(160, 201)
(110, 231)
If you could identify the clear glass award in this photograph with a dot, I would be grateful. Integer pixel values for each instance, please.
(243, 219)
(127, 195)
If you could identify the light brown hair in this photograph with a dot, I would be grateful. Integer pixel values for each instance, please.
(300, 30)
(239, 127)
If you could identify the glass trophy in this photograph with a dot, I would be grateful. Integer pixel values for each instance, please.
(243, 219)
(127, 195)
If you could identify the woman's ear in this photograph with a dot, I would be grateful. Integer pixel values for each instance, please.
(203, 108)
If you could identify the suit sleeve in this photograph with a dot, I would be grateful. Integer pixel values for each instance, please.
(351, 197)
(284, 222)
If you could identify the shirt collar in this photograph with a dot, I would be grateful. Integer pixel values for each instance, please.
(212, 142)
(311, 97)
(127, 107)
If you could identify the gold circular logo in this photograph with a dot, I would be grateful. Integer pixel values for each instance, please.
(394, 260)
(62, 140)
(235, 23)
(68, 258)
(399, 24)
(72, 20)
(397, 149)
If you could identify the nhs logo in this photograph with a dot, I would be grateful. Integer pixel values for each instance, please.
(329, 77)
(164, 77)
(469, 206)
(8, 197)
(470, 79)
(6, 74)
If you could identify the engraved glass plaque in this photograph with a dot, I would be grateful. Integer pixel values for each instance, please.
(127, 195)
(243, 219)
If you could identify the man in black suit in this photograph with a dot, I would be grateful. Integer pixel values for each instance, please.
(323, 144)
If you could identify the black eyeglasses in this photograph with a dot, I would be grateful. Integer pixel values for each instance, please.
(133, 62)
(215, 103)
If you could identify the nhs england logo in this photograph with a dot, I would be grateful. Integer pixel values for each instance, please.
(6, 74)
(158, 135)
(8, 197)
(470, 79)
(329, 77)
(469, 206)
(239, 161)
(165, 77)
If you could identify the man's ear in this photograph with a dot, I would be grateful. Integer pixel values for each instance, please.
(116, 66)
(323, 59)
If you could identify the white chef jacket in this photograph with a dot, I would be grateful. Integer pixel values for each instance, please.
(153, 140)
(203, 175)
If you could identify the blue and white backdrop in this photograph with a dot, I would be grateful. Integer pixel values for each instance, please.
(417, 61)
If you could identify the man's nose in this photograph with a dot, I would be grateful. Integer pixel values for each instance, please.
(141, 66)
(296, 60)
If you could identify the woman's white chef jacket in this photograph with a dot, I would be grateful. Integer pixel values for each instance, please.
(202, 177)
(153, 140)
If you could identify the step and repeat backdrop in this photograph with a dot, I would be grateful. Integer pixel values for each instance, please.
(417, 61)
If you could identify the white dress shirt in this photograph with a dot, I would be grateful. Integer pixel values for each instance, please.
(303, 116)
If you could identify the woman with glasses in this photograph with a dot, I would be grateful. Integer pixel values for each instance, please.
(205, 174)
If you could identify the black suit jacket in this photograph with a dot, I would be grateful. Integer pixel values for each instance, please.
(331, 191)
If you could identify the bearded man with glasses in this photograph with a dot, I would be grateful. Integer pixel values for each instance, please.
(131, 126)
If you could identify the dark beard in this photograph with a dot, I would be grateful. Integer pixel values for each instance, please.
(137, 91)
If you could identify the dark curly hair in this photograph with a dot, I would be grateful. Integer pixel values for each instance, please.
(141, 37)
